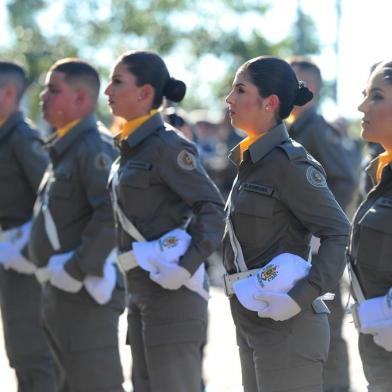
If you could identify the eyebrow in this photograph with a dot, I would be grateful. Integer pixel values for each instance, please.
(372, 90)
(239, 84)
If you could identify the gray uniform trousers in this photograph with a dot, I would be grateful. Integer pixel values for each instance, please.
(377, 364)
(166, 331)
(27, 349)
(84, 339)
(281, 356)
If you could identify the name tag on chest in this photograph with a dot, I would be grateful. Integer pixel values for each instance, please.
(257, 188)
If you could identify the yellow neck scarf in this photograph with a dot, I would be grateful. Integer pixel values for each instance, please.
(130, 126)
(247, 142)
(2, 121)
(65, 129)
(383, 160)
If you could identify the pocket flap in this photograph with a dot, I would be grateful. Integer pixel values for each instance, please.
(174, 333)
(256, 203)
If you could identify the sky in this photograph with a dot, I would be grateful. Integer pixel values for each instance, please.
(365, 35)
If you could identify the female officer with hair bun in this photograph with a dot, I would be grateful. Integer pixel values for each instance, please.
(370, 249)
(279, 199)
(169, 219)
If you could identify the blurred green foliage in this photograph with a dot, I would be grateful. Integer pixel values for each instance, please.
(95, 28)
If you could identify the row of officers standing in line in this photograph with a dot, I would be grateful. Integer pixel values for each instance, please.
(85, 221)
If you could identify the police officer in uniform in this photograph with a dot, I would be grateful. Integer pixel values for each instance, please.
(370, 250)
(280, 198)
(158, 185)
(72, 237)
(324, 143)
(22, 164)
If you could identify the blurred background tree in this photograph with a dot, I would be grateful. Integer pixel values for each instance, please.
(182, 30)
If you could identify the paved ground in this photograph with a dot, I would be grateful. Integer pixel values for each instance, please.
(222, 369)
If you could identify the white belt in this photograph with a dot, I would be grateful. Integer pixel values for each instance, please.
(126, 261)
(228, 280)
(8, 235)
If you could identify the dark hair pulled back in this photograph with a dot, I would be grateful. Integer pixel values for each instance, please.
(149, 68)
(272, 75)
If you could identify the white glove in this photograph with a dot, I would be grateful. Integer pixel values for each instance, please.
(101, 289)
(59, 277)
(43, 274)
(382, 333)
(280, 306)
(169, 275)
(11, 258)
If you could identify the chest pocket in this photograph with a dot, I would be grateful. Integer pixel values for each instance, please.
(136, 174)
(252, 212)
(375, 237)
(61, 187)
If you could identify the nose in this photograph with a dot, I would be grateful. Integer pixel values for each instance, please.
(229, 98)
(43, 95)
(362, 107)
(107, 89)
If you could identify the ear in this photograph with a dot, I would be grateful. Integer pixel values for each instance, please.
(271, 103)
(80, 95)
(146, 93)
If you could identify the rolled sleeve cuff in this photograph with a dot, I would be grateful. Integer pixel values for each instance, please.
(304, 293)
(191, 260)
(74, 270)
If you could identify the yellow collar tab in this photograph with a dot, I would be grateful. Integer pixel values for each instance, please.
(64, 130)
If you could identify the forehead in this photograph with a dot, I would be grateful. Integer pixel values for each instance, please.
(55, 77)
(242, 77)
(377, 80)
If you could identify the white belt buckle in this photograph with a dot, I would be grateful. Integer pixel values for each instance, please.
(228, 280)
(126, 261)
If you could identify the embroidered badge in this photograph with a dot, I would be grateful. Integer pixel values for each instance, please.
(315, 177)
(267, 274)
(102, 161)
(186, 160)
(168, 242)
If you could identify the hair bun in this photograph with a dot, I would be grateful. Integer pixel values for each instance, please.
(304, 95)
(174, 90)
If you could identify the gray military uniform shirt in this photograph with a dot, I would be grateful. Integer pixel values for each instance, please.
(78, 199)
(371, 239)
(161, 183)
(280, 198)
(22, 164)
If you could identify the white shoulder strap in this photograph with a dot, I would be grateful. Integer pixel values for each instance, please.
(239, 260)
(357, 290)
(126, 224)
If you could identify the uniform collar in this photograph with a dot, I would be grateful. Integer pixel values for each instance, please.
(261, 147)
(58, 145)
(299, 124)
(10, 123)
(371, 170)
(145, 130)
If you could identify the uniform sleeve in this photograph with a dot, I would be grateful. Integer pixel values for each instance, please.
(98, 237)
(328, 150)
(305, 192)
(31, 156)
(182, 171)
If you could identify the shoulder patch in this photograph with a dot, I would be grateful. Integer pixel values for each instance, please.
(315, 177)
(186, 160)
(102, 161)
